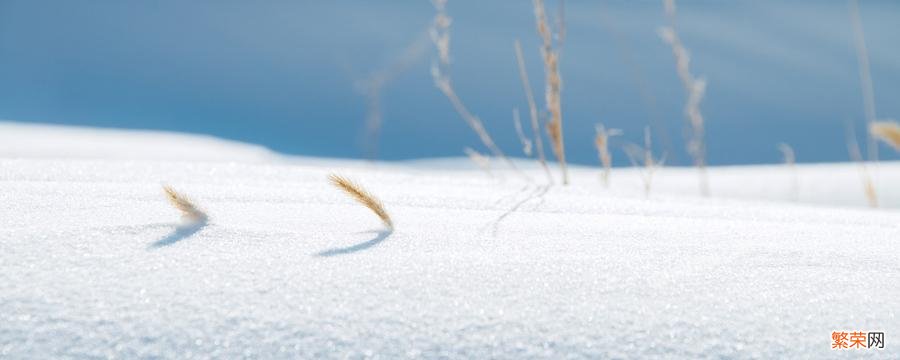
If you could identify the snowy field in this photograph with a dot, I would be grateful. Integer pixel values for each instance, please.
(94, 262)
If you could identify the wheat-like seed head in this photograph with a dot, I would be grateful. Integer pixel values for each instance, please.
(887, 131)
(553, 87)
(189, 211)
(362, 196)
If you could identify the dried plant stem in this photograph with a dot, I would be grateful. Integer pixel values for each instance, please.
(601, 141)
(695, 88)
(650, 164)
(865, 177)
(526, 142)
(790, 161)
(865, 76)
(636, 73)
(440, 31)
(561, 23)
(440, 35)
(532, 110)
(363, 197)
(483, 162)
(189, 211)
(373, 86)
(553, 88)
(443, 83)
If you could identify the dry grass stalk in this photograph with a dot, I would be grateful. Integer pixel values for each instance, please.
(483, 162)
(695, 88)
(363, 197)
(561, 23)
(189, 211)
(440, 36)
(865, 76)
(626, 54)
(790, 161)
(856, 156)
(440, 31)
(669, 6)
(553, 88)
(601, 141)
(887, 131)
(526, 143)
(648, 163)
(443, 83)
(373, 86)
(532, 110)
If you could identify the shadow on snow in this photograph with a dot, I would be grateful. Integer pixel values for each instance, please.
(381, 235)
(181, 232)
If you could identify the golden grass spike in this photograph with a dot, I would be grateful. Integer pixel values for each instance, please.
(362, 196)
(189, 211)
(553, 88)
(887, 131)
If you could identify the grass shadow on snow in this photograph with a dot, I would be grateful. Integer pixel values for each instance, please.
(381, 235)
(181, 232)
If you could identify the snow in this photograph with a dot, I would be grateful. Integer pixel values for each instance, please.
(95, 263)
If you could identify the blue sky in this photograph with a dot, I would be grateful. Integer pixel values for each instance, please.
(286, 74)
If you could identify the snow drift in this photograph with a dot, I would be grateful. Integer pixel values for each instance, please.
(95, 263)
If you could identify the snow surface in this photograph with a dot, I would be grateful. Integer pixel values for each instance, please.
(94, 262)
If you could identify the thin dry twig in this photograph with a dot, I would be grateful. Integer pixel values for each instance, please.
(637, 74)
(440, 36)
(363, 197)
(532, 110)
(526, 142)
(440, 31)
(648, 164)
(790, 160)
(601, 141)
(561, 23)
(483, 162)
(695, 88)
(189, 211)
(865, 76)
(372, 87)
(856, 156)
